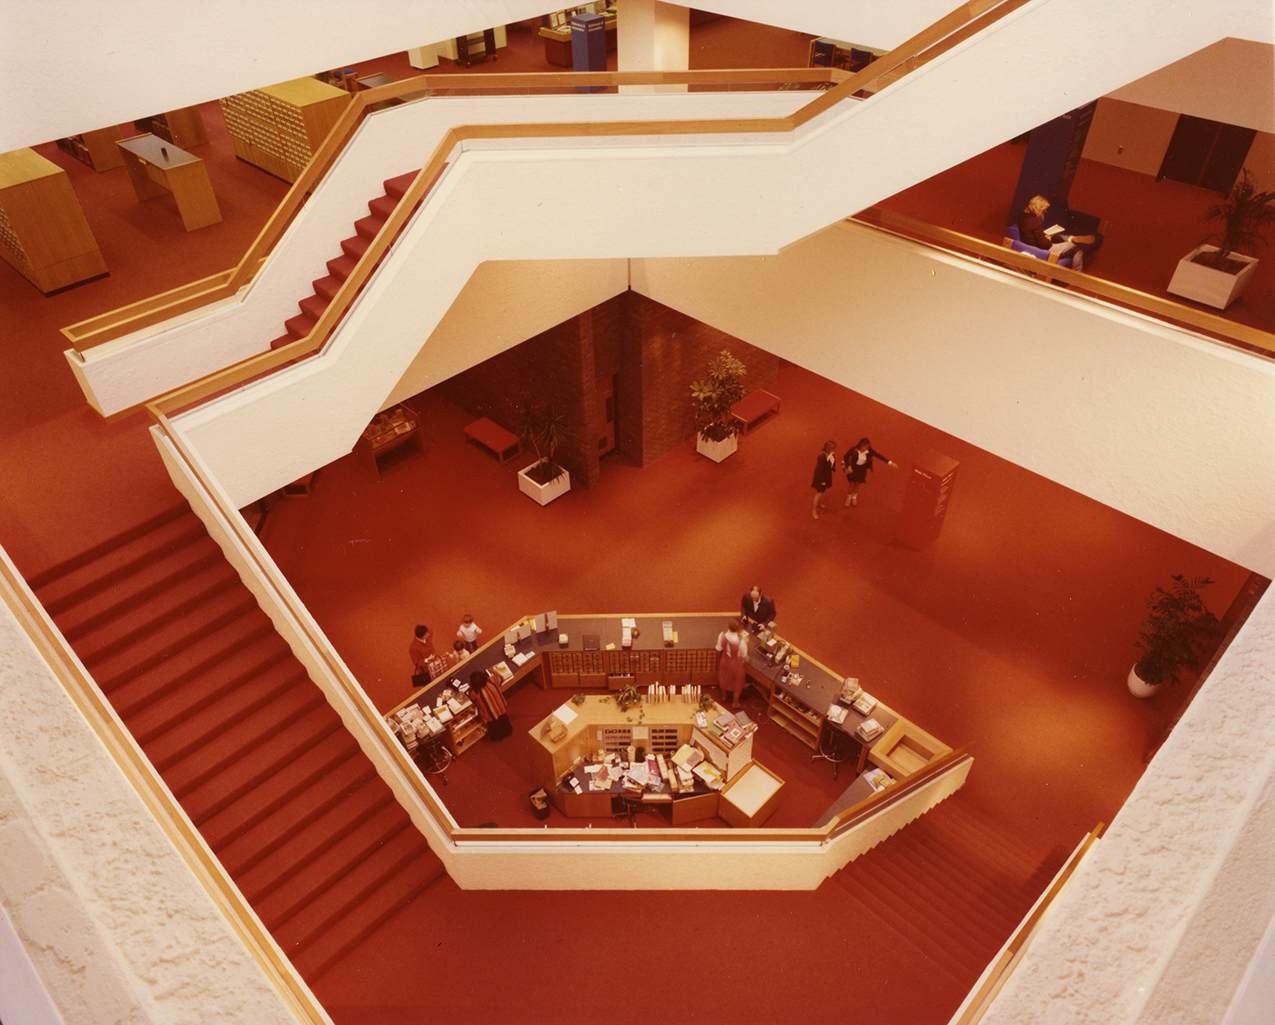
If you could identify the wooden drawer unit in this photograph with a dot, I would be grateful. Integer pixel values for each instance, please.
(44, 234)
(279, 127)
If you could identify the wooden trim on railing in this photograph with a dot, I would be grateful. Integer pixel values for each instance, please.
(1144, 302)
(137, 769)
(849, 818)
(1013, 952)
(148, 312)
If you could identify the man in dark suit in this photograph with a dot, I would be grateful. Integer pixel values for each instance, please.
(757, 609)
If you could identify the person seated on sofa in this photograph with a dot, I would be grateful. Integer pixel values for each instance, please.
(1031, 230)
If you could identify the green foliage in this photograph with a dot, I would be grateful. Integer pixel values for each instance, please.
(1245, 214)
(546, 430)
(714, 394)
(627, 698)
(1179, 631)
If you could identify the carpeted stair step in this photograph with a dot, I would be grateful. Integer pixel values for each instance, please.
(156, 578)
(232, 656)
(354, 246)
(327, 756)
(80, 584)
(242, 847)
(327, 868)
(931, 899)
(162, 620)
(368, 227)
(382, 206)
(994, 905)
(963, 825)
(341, 267)
(313, 306)
(930, 943)
(254, 767)
(242, 742)
(299, 326)
(327, 288)
(409, 883)
(330, 910)
(396, 187)
(136, 678)
(350, 817)
(255, 693)
(104, 554)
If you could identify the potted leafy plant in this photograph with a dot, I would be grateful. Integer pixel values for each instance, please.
(712, 397)
(1216, 271)
(545, 429)
(1179, 633)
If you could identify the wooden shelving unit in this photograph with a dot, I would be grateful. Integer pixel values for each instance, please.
(96, 148)
(279, 127)
(802, 721)
(183, 128)
(44, 234)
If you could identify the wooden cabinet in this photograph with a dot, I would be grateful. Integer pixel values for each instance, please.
(43, 232)
(278, 128)
(96, 148)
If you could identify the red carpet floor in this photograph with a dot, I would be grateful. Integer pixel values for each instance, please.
(1013, 633)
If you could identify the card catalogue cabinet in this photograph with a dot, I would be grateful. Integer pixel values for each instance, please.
(44, 234)
(279, 127)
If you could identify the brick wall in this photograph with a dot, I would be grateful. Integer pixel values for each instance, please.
(653, 352)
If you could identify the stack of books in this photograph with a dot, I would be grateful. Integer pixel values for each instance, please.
(864, 703)
(837, 713)
(869, 730)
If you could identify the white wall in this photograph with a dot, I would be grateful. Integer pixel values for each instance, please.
(114, 924)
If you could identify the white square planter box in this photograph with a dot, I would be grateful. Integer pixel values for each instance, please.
(716, 450)
(1207, 285)
(543, 493)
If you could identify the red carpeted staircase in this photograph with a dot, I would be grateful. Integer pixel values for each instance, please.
(340, 268)
(243, 738)
(951, 888)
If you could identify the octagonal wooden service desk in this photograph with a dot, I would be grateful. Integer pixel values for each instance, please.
(594, 659)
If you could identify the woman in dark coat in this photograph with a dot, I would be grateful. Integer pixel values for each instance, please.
(491, 705)
(858, 464)
(824, 463)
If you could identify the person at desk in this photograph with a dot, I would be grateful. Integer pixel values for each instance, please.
(757, 610)
(1031, 230)
(733, 645)
(490, 703)
(420, 651)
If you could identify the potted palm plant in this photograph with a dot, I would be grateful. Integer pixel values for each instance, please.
(1179, 633)
(545, 429)
(1216, 271)
(712, 396)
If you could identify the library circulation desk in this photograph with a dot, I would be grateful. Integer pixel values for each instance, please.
(661, 666)
(156, 168)
(43, 231)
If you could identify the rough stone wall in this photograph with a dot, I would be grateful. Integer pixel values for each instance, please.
(116, 927)
(1162, 922)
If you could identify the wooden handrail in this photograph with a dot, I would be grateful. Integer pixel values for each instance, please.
(847, 819)
(149, 312)
(981, 1000)
(1164, 309)
(163, 807)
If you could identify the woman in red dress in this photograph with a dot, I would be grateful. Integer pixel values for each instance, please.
(733, 645)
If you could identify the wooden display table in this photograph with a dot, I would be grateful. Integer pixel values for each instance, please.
(503, 444)
(388, 431)
(156, 168)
